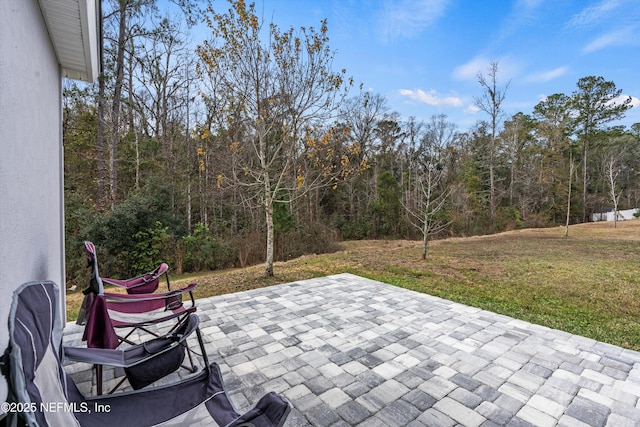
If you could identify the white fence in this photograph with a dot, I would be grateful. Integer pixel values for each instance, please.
(609, 216)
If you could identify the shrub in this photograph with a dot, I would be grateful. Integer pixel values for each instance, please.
(509, 219)
(151, 248)
(203, 252)
(121, 235)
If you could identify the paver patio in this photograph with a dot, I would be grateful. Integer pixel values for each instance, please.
(348, 351)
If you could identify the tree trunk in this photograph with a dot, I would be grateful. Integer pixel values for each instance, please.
(100, 131)
(137, 143)
(511, 183)
(492, 186)
(566, 230)
(268, 209)
(115, 110)
(584, 181)
(490, 102)
(425, 239)
(189, 203)
(100, 196)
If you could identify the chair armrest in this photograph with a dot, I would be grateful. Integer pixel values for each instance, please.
(136, 354)
(150, 297)
(96, 356)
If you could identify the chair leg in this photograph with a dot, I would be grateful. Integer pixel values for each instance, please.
(193, 368)
(98, 379)
(125, 339)
(117, 386)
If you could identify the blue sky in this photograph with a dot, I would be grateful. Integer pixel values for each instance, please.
(424, 55)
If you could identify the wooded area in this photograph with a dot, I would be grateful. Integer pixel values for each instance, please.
(248, 147)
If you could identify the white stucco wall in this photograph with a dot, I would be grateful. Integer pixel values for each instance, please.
(31, 192)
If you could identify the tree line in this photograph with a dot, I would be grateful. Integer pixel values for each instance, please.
(251, 148)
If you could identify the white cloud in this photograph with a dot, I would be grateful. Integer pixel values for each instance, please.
(635, 102)
(528, 4)
(406, 18)
(432, 98)
(471, 109)
(614, 38)
(523, 14)
(542, 97)
(507, 68)
(546, 76)
(470, 70)
(345, 21)
(594, 14)
(633, 115)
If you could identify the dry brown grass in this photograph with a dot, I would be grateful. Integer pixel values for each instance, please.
(588, 283)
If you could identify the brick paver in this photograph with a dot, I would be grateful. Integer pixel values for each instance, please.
(345, 350)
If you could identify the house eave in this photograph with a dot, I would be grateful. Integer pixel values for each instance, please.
(74, 28)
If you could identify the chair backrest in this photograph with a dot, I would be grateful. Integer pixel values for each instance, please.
(95, 285)
(144, 284)
(37, 379)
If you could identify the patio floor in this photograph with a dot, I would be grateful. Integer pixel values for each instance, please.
(348, 351)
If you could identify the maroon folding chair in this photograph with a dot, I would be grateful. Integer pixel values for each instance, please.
(144, 284)
(104, 314)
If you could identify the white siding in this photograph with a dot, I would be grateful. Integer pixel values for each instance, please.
(624, 215)
(31, 195)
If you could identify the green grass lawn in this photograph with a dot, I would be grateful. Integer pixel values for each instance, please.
(586, 284)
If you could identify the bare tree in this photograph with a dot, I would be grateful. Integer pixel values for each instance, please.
(124, 22)
(612, 175)
(426, 180)
(491, 103)
(571, 171)
(613, 165)
(162, 98)
(281, 93)
(122, 13)
(361, 115)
